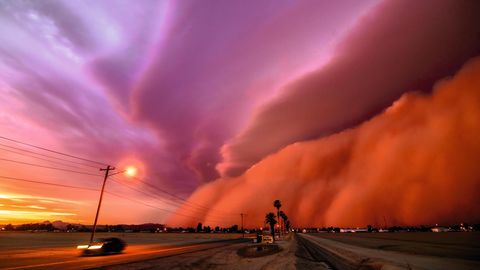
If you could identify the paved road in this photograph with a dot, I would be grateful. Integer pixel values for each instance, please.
(346, 256)
(68, 258)
(291, 256)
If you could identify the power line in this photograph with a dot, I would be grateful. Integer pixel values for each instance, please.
(40, 154)
(154, 196)
(47, 167)
(152, 206)
(97, 162)
(61, 169)
(161, 190)
(182, 199)
(44, 159)
(92, 189)
(243, 231)
(53, 151)
(186, 202)
(168, 202)
(46, 183)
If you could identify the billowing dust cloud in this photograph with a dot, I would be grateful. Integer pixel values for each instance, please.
(416, 163)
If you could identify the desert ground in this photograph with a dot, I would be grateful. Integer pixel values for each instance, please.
(27, 250)
(221, 251)
(27, 240)
(459, 245)
(409, 250)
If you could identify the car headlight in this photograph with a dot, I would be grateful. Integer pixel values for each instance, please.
(95, 247)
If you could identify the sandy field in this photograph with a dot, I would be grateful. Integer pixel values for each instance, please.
(460, 245)
(24, 250)
(430, 251)
(26, 240)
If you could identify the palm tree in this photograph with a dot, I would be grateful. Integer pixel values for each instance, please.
(270, 219)
(287, 225)
(277, 204)
(284, 218)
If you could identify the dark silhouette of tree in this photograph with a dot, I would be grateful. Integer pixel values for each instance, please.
(284, 217)
(287, 225)
(277, 204)
(270, 219)
(35, 227)
(199, 227)
(234, 228)
(70, 227)
(84, 228)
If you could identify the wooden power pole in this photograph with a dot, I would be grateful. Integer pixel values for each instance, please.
(243, 230)
(107, 170)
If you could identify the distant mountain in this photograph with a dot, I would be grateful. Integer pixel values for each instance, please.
(59, 224)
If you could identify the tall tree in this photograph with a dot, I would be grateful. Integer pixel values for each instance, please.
(277, 204)
(284, 219)
(287, 225)
(270, 219)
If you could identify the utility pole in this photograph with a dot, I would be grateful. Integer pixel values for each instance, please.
(243, 230)
(107, 170)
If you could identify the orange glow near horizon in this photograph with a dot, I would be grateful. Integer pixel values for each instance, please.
(22, 202)
(21, 208)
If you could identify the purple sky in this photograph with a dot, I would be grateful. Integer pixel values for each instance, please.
(197, 89)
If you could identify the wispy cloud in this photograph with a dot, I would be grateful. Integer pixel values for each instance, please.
(35, 208)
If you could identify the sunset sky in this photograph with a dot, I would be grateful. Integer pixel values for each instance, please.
(233, 104)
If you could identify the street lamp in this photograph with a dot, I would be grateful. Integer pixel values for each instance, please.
(129, 171)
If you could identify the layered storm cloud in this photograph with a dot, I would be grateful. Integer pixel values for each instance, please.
(415, 163)
(400, 46)
(216, 64)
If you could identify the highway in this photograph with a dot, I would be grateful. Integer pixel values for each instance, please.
(68, 258)
(375, 251)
